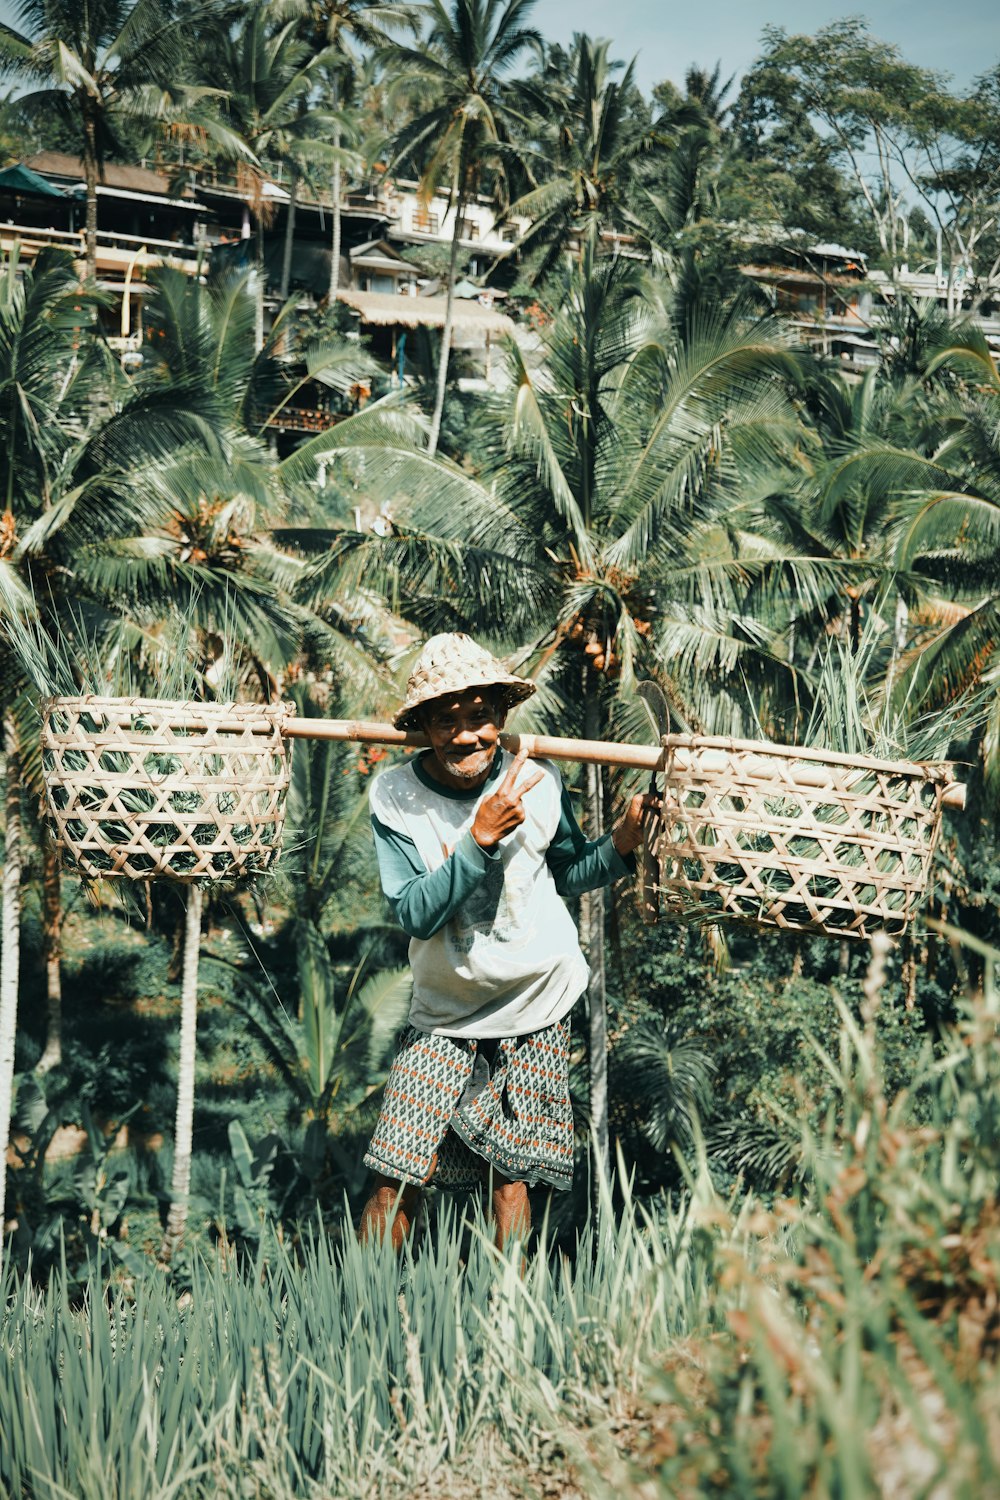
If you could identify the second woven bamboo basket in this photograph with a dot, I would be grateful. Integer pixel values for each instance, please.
(805, 840)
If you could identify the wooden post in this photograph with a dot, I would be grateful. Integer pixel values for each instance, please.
(10, 963)
(180, 1186)
(593, 907)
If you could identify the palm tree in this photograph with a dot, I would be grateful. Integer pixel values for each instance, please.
(269, 75)
(102, 67)
(41, 379)
(838, 507)
(947, 544)
(709, 91)
(674, 207)
(596, 536)
(306, 153)
(338, 29)
(183, 543)
(331, 31)
(621, 457)
(465, 116)
(586, 156)
(179, 559)
(190, 559)
(60, 502)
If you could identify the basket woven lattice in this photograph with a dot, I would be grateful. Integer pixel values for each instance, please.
(148, 789)
(801, 839)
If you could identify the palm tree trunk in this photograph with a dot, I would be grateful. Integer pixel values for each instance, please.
(286, 260)
(180, 1185)
(258, 319)
(335, 188)
(90, 178)
(52, 918)
(592, 913)
(855, 626)
(442, 378)
(587, 399)
(10, 916)
(335, 240)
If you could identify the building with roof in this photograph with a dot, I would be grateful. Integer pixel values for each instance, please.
(143, 222)
(197, 218)
(202, 220)
(823, 293)
(933, 286)
(838, 306)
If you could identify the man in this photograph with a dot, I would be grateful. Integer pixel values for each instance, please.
(476, 850)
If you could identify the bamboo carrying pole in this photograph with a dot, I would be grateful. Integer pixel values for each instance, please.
(679, 750)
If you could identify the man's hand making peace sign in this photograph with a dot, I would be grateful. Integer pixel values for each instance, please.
(501, 813)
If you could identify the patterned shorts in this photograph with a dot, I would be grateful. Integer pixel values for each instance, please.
(502, 1102)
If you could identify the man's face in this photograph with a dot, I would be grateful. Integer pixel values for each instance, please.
(464, 731)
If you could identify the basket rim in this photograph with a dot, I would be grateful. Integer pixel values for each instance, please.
(927, 770)
(214, 714)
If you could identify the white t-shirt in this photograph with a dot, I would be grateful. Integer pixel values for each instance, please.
(508, 960)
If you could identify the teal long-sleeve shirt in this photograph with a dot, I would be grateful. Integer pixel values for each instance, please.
(423, 900)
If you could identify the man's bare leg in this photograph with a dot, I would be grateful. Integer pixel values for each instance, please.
(510, 1208)
(390, 1203)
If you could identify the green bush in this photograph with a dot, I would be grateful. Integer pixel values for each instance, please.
(756, 1023)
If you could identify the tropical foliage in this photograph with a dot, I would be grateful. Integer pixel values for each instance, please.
(788, 1285)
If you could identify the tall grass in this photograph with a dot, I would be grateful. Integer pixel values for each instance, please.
(840, 1343)
(863, 1314)
(319, 1372)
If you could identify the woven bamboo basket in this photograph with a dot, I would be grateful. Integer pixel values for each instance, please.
(146, 789)
(806, 840)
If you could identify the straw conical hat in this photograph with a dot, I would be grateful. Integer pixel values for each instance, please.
(450, 664)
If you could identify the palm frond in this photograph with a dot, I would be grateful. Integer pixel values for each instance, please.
(664, 1079)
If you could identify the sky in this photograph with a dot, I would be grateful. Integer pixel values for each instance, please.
(960, 37)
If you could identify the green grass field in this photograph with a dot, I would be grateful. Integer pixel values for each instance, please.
(840, 1342)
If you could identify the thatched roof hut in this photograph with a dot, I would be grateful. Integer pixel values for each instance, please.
(384, 310)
